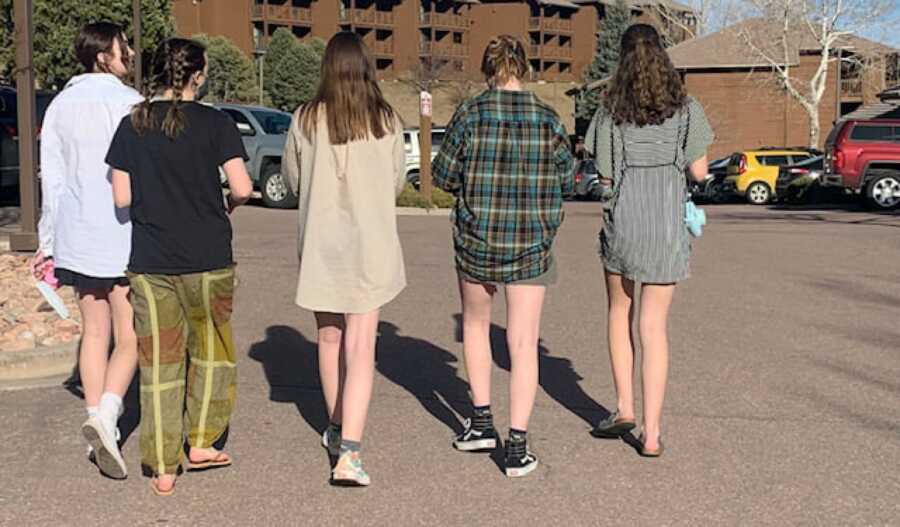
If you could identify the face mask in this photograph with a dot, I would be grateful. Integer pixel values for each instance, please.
(202, 91)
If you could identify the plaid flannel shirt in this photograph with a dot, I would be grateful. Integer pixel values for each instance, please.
(506, 157)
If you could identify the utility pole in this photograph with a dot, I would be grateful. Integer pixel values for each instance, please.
(138, 45)
(425, 107)
(260, 54)
(26, 239)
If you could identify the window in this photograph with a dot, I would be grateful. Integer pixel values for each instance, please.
(437, 138)
(800, 158)
(773, 160)
(273, 123)
(871, 133)
(241, 121)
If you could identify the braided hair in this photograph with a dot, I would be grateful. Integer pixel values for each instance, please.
(173, 64)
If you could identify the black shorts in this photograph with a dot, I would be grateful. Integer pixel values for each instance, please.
(82, 282)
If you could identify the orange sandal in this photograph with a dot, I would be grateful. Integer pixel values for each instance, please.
(220, 460)
(154, 485)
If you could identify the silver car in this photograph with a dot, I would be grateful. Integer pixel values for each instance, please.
(264, 132)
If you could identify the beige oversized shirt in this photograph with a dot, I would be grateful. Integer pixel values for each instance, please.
(350, 255)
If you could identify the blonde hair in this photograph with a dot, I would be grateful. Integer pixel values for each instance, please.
(504, 59)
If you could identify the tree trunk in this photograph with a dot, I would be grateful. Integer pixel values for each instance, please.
(815, 128)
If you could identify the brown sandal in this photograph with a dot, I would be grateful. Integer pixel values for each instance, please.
(644, 452)
(220, 460)
(154, 485)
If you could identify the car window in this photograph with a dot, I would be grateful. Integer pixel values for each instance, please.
(800, 158)
(869, 132)
(273, 123)
(241, 121)
(437, 138)
(588, 167)
(407, 141)
(773, 160)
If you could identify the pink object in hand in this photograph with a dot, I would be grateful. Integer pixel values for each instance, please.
(48, 275)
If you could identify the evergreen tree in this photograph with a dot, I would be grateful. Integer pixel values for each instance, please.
(232, 77)
(296, 78)
(606, 59)
(280, 45)
(57, 22)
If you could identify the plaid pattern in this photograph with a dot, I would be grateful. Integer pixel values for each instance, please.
(507, 158)
(176, 317)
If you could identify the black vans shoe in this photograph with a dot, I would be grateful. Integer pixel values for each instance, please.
(519, 461)
(472, 440)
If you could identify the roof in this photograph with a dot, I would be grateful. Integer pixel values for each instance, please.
(559, 3)
(639, 4)
(730, 47)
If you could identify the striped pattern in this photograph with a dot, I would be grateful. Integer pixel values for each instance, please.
(507, 158)
(187, 362)
(644, 237)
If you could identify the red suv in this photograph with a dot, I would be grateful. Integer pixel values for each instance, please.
(864, 156)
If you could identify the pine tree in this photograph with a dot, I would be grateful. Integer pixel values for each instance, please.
(232, 77)
(57, 22)
(280, 45)
(606, 59)
(296, 78)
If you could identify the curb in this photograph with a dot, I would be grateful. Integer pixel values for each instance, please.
(38, 363)
(416, 211)
(4, 242)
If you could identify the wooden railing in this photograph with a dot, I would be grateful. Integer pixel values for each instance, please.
(382, 47)
(367, 16)
(852, 87)
(449, 20)
(552, 24)
(440, 49)
(282, 13)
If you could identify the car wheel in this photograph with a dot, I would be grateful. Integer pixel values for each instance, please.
(413, 179)
(883, 192)
(759, 193)
(274, 189)
(715, 193)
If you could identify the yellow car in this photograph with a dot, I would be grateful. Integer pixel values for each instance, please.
(753, 173)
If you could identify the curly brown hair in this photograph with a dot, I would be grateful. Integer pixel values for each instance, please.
(646, 88)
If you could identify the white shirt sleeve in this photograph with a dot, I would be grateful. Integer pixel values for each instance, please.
(52, 173)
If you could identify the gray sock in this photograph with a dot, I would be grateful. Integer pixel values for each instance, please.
(350, 446)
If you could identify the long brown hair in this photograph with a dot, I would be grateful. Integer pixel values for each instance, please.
(504, 59)
(173, 64)
(97, 38)
(646, 88)
(353, 102)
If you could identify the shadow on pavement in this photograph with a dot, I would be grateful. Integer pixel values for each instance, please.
(429, 373)
(290, 364)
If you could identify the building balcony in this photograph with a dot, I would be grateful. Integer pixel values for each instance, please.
(550, 52)
(440, 49)
(444, 21)
(381, 48)
(367, 17)
(282, 13)
(851, 88)
(550, 24)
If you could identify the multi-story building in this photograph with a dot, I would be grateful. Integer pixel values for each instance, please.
(445, 37)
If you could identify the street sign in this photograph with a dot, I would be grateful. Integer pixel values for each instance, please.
(425, 103)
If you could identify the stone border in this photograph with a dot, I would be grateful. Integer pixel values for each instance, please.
(38, 363)
(4, 242)
(416, 211)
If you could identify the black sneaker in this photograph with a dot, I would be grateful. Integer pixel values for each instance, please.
(472, 440)
(519, 461)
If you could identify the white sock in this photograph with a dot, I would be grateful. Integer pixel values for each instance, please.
(110, 409)
(93, 411)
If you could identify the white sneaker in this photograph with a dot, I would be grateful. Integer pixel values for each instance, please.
(106, 450)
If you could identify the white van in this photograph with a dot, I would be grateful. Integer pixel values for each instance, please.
(413, 154)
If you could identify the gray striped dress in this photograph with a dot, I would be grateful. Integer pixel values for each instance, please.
(644, 237)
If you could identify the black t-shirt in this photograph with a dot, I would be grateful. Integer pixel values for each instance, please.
(178, 216)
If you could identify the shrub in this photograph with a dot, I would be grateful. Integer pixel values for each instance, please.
(410, 197)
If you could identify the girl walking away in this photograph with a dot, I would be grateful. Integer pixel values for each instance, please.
(346, 159)
(646, 133)
(166, 157)
(84, 236)
(507, 158)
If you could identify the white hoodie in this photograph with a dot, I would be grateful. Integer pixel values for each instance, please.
(80, 225)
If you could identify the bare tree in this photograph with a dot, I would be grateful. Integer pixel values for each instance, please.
(460, 91)
(426, 76)
(823, 27)
(704, 16)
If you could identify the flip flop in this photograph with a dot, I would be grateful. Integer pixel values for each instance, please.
(215, 462)
(651, 453)
(154, 485)
(613, 427)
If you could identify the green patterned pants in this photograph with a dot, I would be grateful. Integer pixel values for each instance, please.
(185, 350)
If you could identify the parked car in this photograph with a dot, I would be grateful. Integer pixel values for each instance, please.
(712, 188)
(753, 173)
(587, 180)
(9, 135)
(798, 182)
(264, 132)
(863, 156)
(414, 154)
